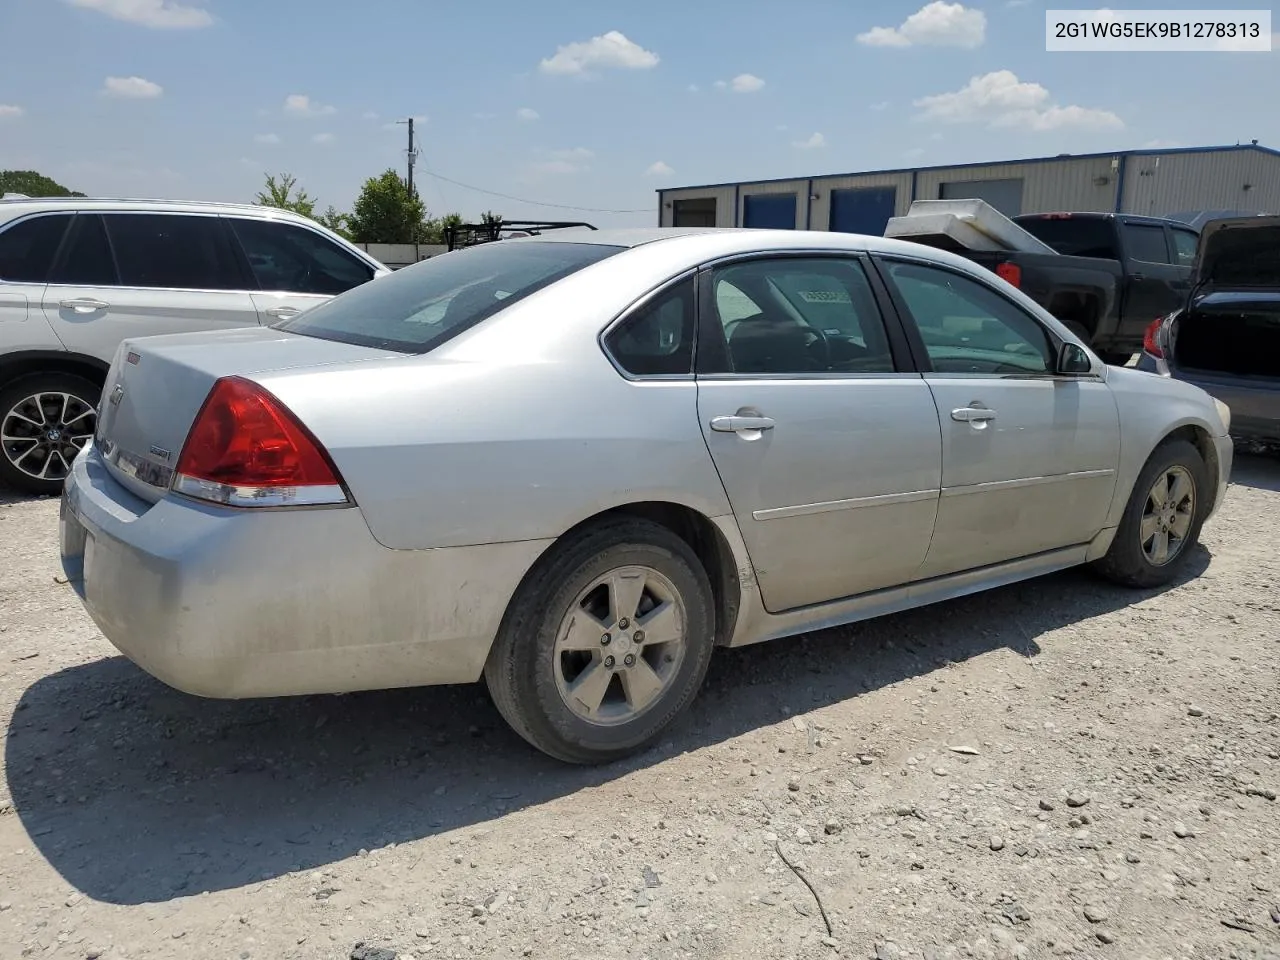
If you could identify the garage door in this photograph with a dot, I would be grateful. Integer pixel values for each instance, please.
(773, 211)
(1004, 195)
(862, 211)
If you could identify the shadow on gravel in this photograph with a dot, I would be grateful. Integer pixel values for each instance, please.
(1258, 470)
(136, 793)
(9, 497)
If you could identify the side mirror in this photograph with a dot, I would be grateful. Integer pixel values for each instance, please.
(1073, 359)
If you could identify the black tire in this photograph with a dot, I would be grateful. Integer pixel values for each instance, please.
(14, 400)
(521, 671)
(1126, 562)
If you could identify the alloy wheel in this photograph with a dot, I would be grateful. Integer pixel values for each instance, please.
(1168, 515)
(620, 646)
(41, 434)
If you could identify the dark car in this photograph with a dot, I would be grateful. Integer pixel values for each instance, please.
(1110, 274)
(1226, 339)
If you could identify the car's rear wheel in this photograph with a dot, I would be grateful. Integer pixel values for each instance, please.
(1161, 522)
(605, 643)
(45, 421)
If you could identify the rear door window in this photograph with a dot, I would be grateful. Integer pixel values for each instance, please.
(1146, 243)
(86, 259)
(28, 247)
(1074, 236)
(287, 258)
(173, 251)
(418, 308)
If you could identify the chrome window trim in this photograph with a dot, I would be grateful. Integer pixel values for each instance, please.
(643, 301)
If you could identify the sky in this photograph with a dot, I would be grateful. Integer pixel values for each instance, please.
(579, 109)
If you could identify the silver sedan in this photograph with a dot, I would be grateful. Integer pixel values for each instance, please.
(573, 466)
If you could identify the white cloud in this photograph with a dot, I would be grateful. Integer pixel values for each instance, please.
(1159, 144)
(659, 169)
(9, 111)
(484, 116)
(369, 115)
(611, 50)
(563, 162)
(938, 24)
(268, 138)
(157, 14)
(881, 106)
(1000, 99)
(742, 83)
(527, 114)
(694, 88)
(301, 105)
(131, 88)
(322, 138)
(815, 142)
(250, 162)
(576, 154)
(914, 153)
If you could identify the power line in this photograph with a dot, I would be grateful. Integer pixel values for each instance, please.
(535, 203)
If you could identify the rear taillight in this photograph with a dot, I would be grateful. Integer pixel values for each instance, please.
(1151, 339)
(1010, 273)
(246, 449)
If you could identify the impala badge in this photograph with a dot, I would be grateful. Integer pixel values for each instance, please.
(160, 452)
(117, 394)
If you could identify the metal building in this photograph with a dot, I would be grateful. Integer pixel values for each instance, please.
(1170, 182)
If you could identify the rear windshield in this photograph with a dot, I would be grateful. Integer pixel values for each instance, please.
(418, 308)
(1074, 237)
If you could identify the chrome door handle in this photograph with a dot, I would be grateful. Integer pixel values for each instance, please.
(282, 313)
(972, 414)
(740, 424)
(83, 305)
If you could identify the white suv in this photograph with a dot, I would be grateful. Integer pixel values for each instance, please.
(78, 276)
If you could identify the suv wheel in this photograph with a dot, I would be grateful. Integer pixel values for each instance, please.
(45, 421)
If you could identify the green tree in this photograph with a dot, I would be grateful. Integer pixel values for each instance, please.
(33, 184)
(385, 212)
(339, 223)
(279, 194)
(490, 217)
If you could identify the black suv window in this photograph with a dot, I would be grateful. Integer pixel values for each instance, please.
(290, 258)
(173, 251)
(27, 248)
(86, 259)
(658, 338)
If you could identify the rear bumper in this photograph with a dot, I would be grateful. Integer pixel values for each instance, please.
(246, 603)
(1255, 409)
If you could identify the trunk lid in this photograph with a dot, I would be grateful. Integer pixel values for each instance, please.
(1239, 252)
(156, 386)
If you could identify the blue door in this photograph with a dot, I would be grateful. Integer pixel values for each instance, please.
(866, 210)
(773, 211)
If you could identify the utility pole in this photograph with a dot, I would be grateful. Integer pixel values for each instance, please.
(412, 155)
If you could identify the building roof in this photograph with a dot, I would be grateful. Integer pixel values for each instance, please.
(1164, 151)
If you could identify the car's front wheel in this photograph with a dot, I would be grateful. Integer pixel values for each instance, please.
(1161, 522)
(605, 643)
(45, 420)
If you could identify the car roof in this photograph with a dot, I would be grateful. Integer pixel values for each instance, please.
(21, 206)
(716, 241)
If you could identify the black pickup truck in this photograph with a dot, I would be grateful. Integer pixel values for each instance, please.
(1112, 275)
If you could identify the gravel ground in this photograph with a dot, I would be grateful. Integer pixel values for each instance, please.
(1055, 769)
